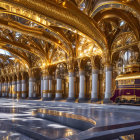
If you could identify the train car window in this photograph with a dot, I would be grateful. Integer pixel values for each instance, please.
(132, 81)
(124, 82)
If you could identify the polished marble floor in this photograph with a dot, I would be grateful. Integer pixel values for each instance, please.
(18, 123)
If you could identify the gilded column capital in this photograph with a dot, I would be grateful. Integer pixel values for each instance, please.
(9, 78)
(45, 72)
(31, 73)
(81, 72)
(13, 77)
(92, 58)
(6, 79)
(95, 71)
(70, 65)
(108, 67)
(107, 57)
(18, 76)
(79, 63)
(71, 74)
(58, 76)
(23, 75)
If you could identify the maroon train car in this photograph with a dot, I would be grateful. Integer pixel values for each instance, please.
(127, 88)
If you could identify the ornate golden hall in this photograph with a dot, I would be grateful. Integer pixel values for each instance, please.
(74, 65)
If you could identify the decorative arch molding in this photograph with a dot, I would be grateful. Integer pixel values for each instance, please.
(18, 56)
(52, 36)
(122, 15)
(21, 46)
(65, 17)
(117, 5)
(123, 37)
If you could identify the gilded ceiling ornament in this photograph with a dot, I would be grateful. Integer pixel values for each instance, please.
(55, 34)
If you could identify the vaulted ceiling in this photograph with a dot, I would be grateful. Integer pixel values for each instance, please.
(46, 32)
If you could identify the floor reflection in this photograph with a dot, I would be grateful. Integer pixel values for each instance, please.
(9, 135)
(20, 113)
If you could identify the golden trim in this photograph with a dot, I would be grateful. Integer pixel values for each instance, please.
(128, 88)
(128, 76)
(45, 91)
(59, 91)
(63, 114)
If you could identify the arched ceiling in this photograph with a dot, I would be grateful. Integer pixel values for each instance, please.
(46, 32)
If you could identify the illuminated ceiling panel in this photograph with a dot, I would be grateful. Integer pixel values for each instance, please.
(4, 52)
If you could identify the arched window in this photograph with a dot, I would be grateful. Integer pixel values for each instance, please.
(127, 55)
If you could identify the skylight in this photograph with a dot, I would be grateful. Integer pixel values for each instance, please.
(4, 52)
(12, 58)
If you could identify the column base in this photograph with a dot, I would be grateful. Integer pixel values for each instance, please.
(47, 99)
(23, 96)
(50, 95)
(107, 101)
(71, 99)
(58, 98)
(45, 95)
(14, 97)
(94, 100)
(82, 100)
(4, 95)
(50, 98)
(33, 98)
(44, 98)
(10, 95)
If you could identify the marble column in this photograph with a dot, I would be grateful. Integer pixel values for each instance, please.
(23, 86)
(50, 88)
(0, 88)
(3, 89)
(32, 92)
(94, 95)
(32, 80)
(14, 87)
(18, 86)
(71, 95)
(9, 84)
(10, 88)
(6, 88)
(108, 83)
(45, 87)
(82, 86)
(41, 87)
(58, 94)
